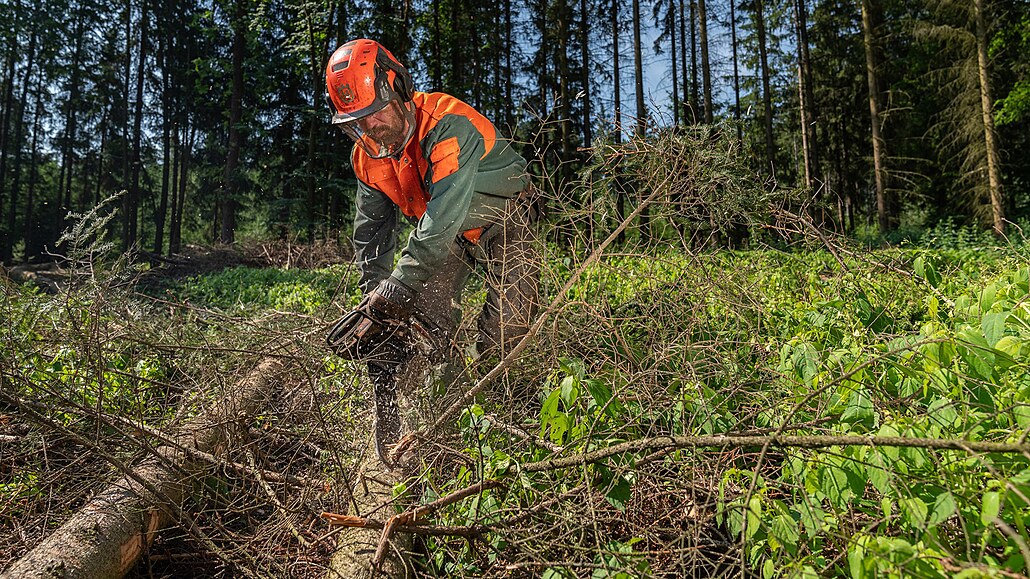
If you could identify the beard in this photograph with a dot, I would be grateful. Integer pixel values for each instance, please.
(389, 137)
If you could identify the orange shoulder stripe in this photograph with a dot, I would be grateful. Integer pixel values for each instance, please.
(438, 105)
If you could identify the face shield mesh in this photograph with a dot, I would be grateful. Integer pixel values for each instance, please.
(383, 132)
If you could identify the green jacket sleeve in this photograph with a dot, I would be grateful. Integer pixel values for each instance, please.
(375, 237)
(449, 198)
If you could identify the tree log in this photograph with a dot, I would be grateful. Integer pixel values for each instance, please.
(356, 547)
(106, 537)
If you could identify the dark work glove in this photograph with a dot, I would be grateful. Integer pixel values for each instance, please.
(390, 300)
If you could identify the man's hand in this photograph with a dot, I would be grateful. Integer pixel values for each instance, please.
(390, 300)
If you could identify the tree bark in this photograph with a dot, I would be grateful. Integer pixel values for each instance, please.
(19, 126)
(124, 125)
(227, 213)
(8, 106)
(314, 122)
(620, 190)
(30, 196)
(671, 23)
(763, 57)
(736, 69)
(132, 200)
(509, 112)
(807, 98)
(106, 537)
(990, 135)
(564, 98)
(706, 68)
(879, 155)
(641, 130)
(64, 193)
(683, 64)
(694, 95)
(584, 39)
(161, 216)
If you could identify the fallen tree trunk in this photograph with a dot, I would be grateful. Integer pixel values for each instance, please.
(356, 548)
(106, 537)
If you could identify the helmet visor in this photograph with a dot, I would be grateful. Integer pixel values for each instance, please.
(383, 132)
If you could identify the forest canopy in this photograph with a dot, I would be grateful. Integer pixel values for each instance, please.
(210, 117)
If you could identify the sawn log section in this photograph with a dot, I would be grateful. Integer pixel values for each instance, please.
(106, 537)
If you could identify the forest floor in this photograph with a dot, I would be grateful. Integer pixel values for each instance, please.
(686, 353)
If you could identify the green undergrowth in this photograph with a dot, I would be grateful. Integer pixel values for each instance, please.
(244, 289)
(901, 342)
(915, 343)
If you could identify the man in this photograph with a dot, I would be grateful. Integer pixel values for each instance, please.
(435, 160)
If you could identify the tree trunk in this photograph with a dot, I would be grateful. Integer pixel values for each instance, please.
(620, 190)
(671, 24)
(641, 130)
(125, 136)
(736, 69)
(683, 63)
(807, 99)
(64, 193)
(173, 185)
(132, 200)
(314, 122)
(509, 112)
(564, 98)
(19, 126)
(5, 118)
(763, 57)
(106, 537)
(879, 154)
(161, 216)
(189, 132)
(584, 39)
(990, 136)
(435, 64)
(30, 224)
(230, 179)
(694, 95)
(706, 68)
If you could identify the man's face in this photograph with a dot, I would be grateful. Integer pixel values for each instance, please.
(384, 132)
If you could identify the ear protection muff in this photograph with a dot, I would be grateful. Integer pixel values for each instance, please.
(402, 82)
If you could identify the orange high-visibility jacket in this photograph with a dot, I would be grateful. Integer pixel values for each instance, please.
(454, 176)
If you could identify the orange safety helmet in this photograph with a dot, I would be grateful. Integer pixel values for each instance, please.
(370, 92)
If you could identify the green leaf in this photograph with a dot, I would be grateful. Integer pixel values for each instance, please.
(785, 529)
(811, 515)
(943, 508)
(572, 367)
(915, 511)
(993, 326)
(602, 395)
(754, 516)
(878, 473)
(619, 493)
(990, 508)
(569, 390)
(1008, 345)
(549, 410)
(926, 270)
(976, 354)
(856, 561)
(859, 409)
(834, 484)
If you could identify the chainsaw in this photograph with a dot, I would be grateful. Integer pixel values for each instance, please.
(385, 345)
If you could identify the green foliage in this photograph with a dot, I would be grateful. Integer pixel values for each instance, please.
(914, 343)
(247, 288)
